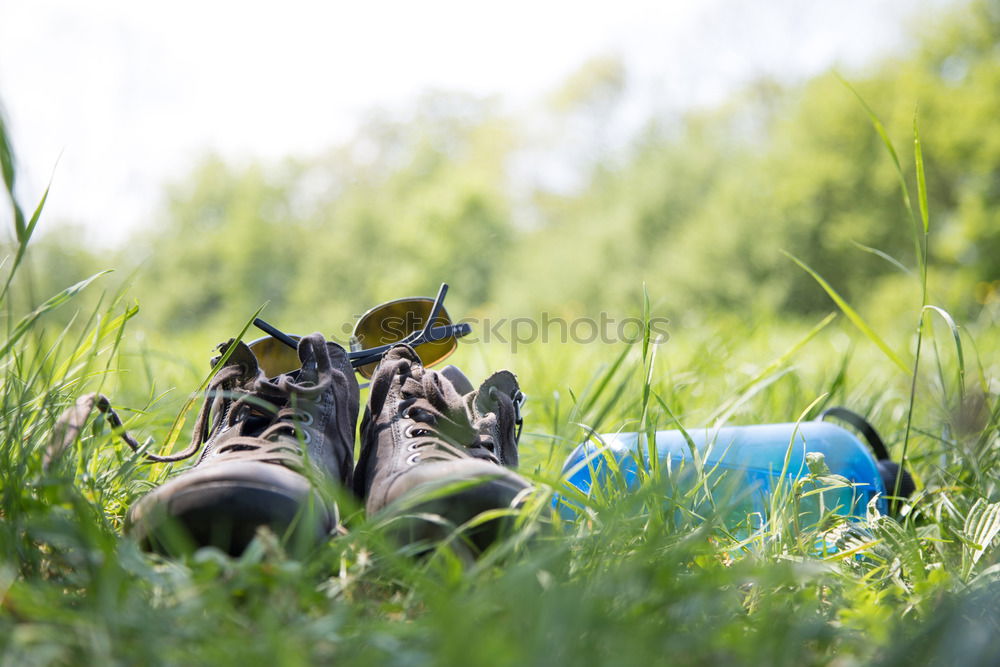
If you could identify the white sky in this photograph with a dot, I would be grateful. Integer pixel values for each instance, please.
(131, 93)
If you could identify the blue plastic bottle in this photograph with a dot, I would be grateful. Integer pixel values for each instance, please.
(746, 459)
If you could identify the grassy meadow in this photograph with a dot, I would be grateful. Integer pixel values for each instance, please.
(638, 579)
(885, 301)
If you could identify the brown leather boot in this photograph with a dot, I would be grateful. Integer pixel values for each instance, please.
(435, 453)
(269, 445)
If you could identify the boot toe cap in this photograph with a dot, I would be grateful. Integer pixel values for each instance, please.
(431, 500)
(223, 505)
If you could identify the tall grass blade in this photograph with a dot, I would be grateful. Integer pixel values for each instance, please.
(646, 327)
(884, 255)
(592, 396)
(852, 314)
(921, 243)
(8, 164)
(22, 241)
(880, 130)
(743, 392)
(918, 156)
(25, 324)
(956, 336)
(23, 232)
(692, 447)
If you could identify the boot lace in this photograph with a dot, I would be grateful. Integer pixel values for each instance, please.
(438, 426)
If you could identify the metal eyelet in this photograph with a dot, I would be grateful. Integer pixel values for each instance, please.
(412, 459)
(413, 446)
(304, 418)
(414, 431)
(306, 436)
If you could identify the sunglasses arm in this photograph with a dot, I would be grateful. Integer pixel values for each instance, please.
(422, 334)
(274, 332)
(371, 355)
(435, 309)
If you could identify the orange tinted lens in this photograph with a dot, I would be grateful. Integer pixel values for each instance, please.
(392, 322)
(274, 356)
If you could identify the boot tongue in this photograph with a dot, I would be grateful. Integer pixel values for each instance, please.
(242, 356)
(503, 382)
(457, 379)
(500, 423)
(309, 347)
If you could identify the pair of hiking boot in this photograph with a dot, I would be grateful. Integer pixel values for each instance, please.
(435, 453)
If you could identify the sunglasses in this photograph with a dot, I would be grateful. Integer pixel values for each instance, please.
(420, 322)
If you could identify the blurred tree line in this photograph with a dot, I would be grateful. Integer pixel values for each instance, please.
(698, 208)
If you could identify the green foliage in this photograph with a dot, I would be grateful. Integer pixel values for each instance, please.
(699, 208)
(403, 208)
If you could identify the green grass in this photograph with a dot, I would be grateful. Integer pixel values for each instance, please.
(634, 582)
(662, 575)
